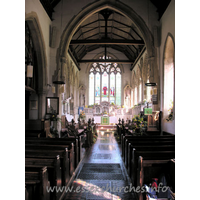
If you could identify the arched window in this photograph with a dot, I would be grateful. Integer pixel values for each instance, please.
(169, 77)
(105, 83)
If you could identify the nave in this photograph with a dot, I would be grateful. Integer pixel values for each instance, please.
(79, 167)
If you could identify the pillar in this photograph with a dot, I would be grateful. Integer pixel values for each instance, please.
(42, 103)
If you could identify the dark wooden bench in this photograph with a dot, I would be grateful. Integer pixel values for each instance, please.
(33, 133)
(58, 142)
(147, 155)
(36, 182)
(141, 138)
(67, 168)
(78, 142)
(170, 142)
(79, 134)
(144, 141)
(142, 146)
(146, 147)
(37, 125)
(148, 169)
(54, 170)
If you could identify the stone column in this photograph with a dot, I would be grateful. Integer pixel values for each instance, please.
(41, 103)
(151, 69)
(154, 78)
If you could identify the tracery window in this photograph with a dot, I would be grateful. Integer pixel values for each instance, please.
(105, 83)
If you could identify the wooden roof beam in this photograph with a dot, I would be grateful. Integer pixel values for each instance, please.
(107, 61)
(107, 41)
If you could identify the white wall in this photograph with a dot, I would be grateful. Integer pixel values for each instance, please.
(35, 11)
(167, 26)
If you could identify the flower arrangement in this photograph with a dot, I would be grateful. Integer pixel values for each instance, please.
(82, 115)
(170, 115)
(139, 124)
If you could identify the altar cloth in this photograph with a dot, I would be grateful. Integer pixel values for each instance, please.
(112, 119)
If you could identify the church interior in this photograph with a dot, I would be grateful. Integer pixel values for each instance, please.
(99, 99)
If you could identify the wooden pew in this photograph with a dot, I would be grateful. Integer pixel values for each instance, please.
(33, 133)
(53, 167)
(147, 147)
(134, 138)
(36, 182)
(145, 141)
(147, 155)
(66, 167)
(79, 134)
(148, 169)
(43, 126)
(55, 148)
(57, 142)
(143, 145)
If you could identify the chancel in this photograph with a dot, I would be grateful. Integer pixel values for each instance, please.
(99, 98)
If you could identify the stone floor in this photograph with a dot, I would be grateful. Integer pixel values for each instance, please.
(102, 174)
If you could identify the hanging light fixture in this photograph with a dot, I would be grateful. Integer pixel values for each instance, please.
(150, 84)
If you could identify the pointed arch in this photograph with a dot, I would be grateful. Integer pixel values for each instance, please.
(96, 7)
(39, 44)
(101, 54)
(168, 74)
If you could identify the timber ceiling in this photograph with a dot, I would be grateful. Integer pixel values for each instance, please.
(106, 29)
(114, 31)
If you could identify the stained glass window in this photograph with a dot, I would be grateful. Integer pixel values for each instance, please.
(97, 85)
(118, 89)
(112, 85)
(105, 83)
(91, 89)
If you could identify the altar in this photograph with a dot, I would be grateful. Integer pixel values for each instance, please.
(105, 120)
(107, 114)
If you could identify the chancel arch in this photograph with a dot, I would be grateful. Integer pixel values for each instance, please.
(96, 7)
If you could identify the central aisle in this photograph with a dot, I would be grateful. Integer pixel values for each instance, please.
(102, 175)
